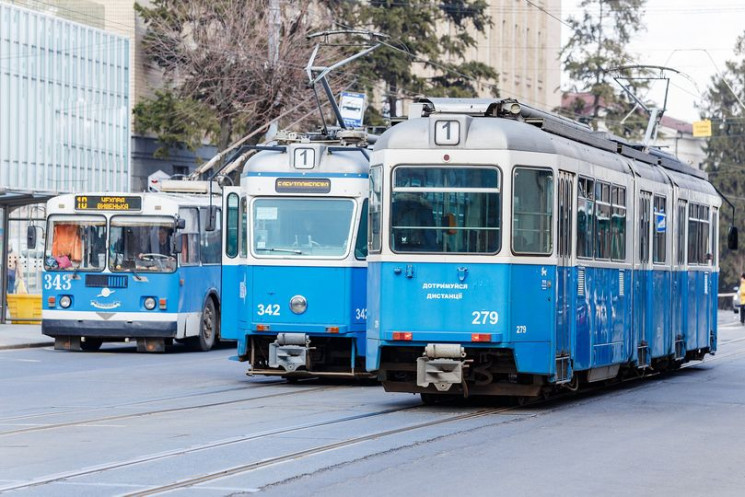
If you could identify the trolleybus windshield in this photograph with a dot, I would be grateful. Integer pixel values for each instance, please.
(446, 209)
(301, 227)
(139, 243)
(76, 243)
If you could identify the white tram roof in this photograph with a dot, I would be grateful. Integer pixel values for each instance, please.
(509, 125)
(324, 158)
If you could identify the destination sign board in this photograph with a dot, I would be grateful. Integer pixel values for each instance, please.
(108, 203)
(302, 185)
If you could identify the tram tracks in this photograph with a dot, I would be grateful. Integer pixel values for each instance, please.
(135, 415)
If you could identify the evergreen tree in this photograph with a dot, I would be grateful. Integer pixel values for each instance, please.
(598, 44)
(725, 156)
(426, 45)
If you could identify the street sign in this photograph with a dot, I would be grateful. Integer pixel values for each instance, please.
(352, 107)
(702, 129)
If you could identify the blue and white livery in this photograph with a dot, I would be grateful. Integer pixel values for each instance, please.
(139, 266)
(512, 252)
(294, 261)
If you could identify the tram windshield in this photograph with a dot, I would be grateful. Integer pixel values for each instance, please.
(301, 227)
(76, 243)
(141, 244)
(446, 209)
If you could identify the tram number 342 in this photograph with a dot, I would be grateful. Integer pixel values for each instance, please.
(267, 310)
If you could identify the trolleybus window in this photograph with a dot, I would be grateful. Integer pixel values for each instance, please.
(210, 241)
(532, 217)
(76, 243)
(307, 227)
(585, 217)
(446, 209)
(190, 236)
(141, 244)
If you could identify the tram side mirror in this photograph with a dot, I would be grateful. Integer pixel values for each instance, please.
(31, 237)
(211, 218)
(732, 238)
(178, 243)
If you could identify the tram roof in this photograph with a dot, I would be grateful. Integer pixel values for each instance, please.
(328, 159)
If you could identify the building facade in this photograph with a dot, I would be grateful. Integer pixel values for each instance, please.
(64, 124)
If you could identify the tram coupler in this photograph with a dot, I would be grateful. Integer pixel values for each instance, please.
(442, 365)
(289, 351)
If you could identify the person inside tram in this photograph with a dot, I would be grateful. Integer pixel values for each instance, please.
(67, 245)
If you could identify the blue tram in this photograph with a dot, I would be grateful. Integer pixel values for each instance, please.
(512, 252)
(294, 261)
(139, 266)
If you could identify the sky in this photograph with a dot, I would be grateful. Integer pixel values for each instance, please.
(693, 37)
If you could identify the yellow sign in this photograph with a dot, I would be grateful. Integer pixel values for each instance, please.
(702, 129)
(107, 203)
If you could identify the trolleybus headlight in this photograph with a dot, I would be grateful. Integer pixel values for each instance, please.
(65, 301)
(298, 304)
(149, 303)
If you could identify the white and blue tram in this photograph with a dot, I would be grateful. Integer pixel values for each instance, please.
(132, 266)
(512, 251)
(294, 259)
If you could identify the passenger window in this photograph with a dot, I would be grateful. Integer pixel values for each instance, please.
(532, 217)
(618, 223)
(211, 241)
(659, 242)
(376, 208)
(585, 217)
(190, 236)
(602, 220)
(360, 249)
(231, 226)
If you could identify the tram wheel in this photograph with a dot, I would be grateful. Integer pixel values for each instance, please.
(207, 329)
(90, 344)
(429, 399)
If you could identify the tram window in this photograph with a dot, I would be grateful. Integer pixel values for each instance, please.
(211, 241)
(77, 243)
(602, 220)
(231, 226)
(618, 223)
(360, 248)
(585, 217)
(714, 237)
(680, 223)
(659, 242)
(243, 227)
(376, 206)
(703, 249)
(644, 227)
(693, 234)
(446, 210)
(301, 227)
(532, 217)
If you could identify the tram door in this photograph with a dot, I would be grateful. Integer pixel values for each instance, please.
(565, 311)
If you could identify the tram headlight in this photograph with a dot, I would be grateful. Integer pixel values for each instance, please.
(65, 301)
(298, 304)
(150, 303)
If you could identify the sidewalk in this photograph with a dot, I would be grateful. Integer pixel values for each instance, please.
(19, 336)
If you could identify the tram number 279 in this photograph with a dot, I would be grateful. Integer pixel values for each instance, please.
(485, 317)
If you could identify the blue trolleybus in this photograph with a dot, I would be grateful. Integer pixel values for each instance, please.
(132, 266)
(294, 259)
(513, 252)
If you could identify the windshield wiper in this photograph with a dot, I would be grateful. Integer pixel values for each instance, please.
(289, 251)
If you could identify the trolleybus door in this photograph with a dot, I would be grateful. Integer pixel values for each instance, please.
(565, 311)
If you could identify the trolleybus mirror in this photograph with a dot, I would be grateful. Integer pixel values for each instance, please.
(180, 223)
(178, 243)
(211, 218)
(732, 238)
(31, 237)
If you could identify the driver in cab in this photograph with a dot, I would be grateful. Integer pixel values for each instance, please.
(161, 250)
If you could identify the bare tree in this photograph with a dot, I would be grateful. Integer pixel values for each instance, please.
(242, 61)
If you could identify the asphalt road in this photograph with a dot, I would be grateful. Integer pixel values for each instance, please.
(192, 424)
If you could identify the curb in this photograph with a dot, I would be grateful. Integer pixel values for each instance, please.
(26, 345)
